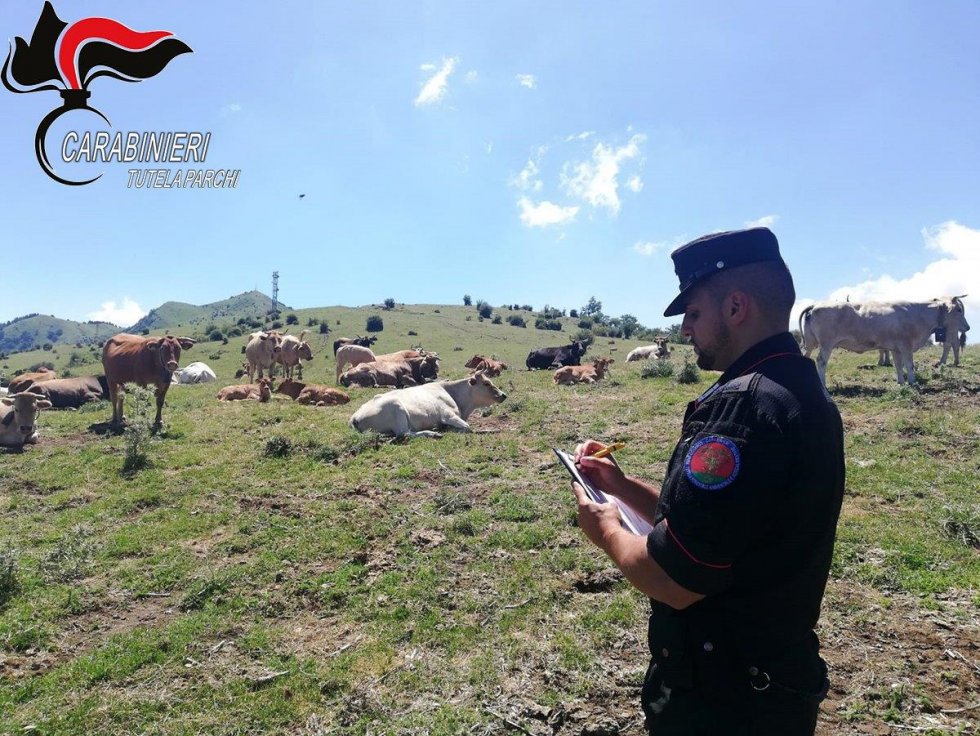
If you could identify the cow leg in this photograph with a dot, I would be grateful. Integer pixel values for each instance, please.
(956, 351)
(340, 367)
(909, 366)
(116, 393)
(899, 359)
(822, 361)
(161, 395)
(453, 421)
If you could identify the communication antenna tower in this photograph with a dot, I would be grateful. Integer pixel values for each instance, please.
(275, 291)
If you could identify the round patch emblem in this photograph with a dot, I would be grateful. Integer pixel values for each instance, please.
(712, 463)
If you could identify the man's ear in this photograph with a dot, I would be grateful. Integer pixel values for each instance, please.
(736, 307)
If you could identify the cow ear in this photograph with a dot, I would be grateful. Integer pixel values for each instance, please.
(472, 380)
(154, 344)
(43, 404)
(7, 402)
(186, 343)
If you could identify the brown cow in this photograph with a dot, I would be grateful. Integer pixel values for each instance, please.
(290, 388)
(397, 373)
(261, 391)
(489, 366)
(583, 373)
(25, 380)
(143, 361)
(71, 393)
(318, 395)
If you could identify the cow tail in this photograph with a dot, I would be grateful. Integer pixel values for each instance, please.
(804, 316)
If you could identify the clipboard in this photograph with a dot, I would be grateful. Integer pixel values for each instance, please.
(628, 516)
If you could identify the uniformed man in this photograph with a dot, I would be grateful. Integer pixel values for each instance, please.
(744, 523)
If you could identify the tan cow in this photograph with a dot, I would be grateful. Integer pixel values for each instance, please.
(262, 352)
(293, 351)
(570, 374)
(18, 418)
(902, 327)
(143, 361)
(353, 355)
(318, 395)
(261, 391)
(25, 380)
(491, 367)
(290, 388)
(397, 373)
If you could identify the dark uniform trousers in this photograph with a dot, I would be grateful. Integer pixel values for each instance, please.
(747, 516)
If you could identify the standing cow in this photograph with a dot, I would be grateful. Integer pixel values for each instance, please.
(292, 352)
(262, 352)
(143, 361)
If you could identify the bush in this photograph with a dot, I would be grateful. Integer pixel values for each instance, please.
(689, 373)
(235, 332)
(324, 329)
(138, 431)
(585, 323)
(547, 324)
(71, 558)
(496, 319)
(583, 336)
(276, 325)
(215, 335)
(278, 446)
(145, 331)
(573, 313)
(413, 333)
(389, 304)
(312, 322)
(292, 319)
(9, 559)
(467, 300)
(657, 369)
(66, 373)
(516, 321)
(47, 346)
(485, 310)
(527, 307)
(375, 323)
(38, 366)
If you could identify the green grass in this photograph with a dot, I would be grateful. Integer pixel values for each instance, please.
(399, 586)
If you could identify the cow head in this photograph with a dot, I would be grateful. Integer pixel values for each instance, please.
(265, 389)
(167, 350)
(305, 351)
(474, 362)
(24, 415)
(579, 348)
(952, 315)
(484, 392)
(430, 366)
(272, 340)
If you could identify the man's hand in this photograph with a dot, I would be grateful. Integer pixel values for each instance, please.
(602, 472)
(599, 521)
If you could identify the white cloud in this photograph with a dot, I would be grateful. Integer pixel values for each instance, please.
(489, 147)
(428, 67)
(955, 272)
(527, 180)
(434, 88)
(596, 181)
(648, 248)
(124, 315)
(766, 221)
(471, 76)
(544, 214)
(526, 80)
(635, 184)
(231, 108)
(579, 136)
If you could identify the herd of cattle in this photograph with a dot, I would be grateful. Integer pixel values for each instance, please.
(425, 404)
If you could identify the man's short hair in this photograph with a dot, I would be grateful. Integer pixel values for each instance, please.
(769, 283)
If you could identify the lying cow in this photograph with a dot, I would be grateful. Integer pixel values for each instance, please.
(261, 391)
(420, 410)
(25, 380)
(491, 367)
(18, 418)
(570, 374)
(71, 393)
(290, 388)
(143, 361)
(397, 373)
(659, 350)
(196, 372)
(543, 358)
(364, 342)
(317, 395)
(902, 327)
(262, 353)
(293, 351)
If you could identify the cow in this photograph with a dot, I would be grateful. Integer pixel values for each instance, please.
(262, 352)
(290, 388)
(543, 358)
(570, 374)
(292, 351)
(397, 373)
(317, 395)
(71, 393)
(491, 367)
(25, 380)
(18, 418)
(196, 372)
(902, 327)
(420, 410)
(143, 361)
(364, 342)
(950, 343)
(658, 350)
(261, 391)
(354, 355)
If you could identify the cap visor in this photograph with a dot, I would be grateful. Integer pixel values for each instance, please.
(680, 303)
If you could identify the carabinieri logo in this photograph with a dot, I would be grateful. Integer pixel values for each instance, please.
(67, 57)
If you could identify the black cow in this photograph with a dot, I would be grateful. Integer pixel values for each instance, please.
(71, 393)
(543, 358)
(364, 342)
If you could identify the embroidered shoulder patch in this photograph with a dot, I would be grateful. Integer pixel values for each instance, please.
(712, 463)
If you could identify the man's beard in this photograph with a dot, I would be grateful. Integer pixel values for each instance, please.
(710, 359)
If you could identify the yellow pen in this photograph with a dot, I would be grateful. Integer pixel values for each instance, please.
(609, 449)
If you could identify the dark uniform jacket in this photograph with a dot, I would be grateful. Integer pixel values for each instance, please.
(747, 516)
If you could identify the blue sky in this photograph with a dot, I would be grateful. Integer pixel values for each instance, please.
(518, 152)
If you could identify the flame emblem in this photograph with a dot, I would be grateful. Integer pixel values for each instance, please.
(68, 57)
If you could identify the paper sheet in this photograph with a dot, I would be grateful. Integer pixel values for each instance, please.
(630, 519)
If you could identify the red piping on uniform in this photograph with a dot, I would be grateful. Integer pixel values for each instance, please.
(684, 550)
(769, 357)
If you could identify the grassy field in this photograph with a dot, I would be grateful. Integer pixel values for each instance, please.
(271, 571)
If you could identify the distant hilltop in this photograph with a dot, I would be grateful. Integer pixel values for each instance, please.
(34, 331)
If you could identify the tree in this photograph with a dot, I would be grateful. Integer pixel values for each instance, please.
(485, 310)
(467, 300)
(375, 323)
(292, 319)
(324, 328)
(594, 307)
(389, 304)
(629, 325)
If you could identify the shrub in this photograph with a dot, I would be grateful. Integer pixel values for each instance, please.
(375, 324)
(38, 366)
(138, 431)
(324, 329)
(547, 324)
(278, 446)
(145, 331)
(75, 359)
(312, 322)
(573, 313)
(585, 323)
(583, 336)
(516, 321)
(276, 325)
(47, 346)
(527, 307)
(413, 332)
(66, 373)
(689, 373)
(467, 300)
(496, 319)
(71, 557)
(389, 304)
(235, 332)
(215, 335)
(657, 369)
(485, 310)
(292, 319)
(9, 559)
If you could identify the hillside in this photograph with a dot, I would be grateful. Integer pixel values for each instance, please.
(27, 333)
(170, 315)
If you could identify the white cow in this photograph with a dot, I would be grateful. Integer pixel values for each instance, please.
(658, 350)
(196, 372)
(902, 327)
(419, 410)
(355, 355)
(293, 351)
(18, 418)
(262, 352)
